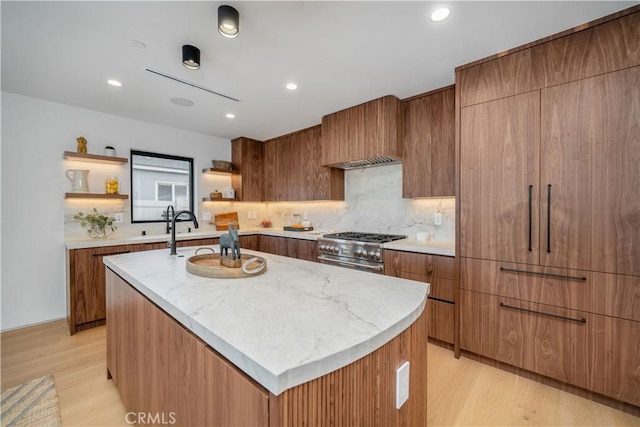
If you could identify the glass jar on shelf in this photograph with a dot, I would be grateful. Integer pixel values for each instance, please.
(112, 185)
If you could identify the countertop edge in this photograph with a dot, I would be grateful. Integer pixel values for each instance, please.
(443, 248)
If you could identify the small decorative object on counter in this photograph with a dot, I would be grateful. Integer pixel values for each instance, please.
(109, 151)
(112, 185)
(82, 144)
(98, 225)
(215, 195)
(230, 241)
(266, 223)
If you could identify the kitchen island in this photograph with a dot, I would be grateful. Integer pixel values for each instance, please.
(304, 343)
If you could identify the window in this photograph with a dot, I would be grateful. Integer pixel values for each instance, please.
(157, 181)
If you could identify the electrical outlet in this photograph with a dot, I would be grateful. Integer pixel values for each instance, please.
(402, 384)
(437, 218)
(305, 216)
(119, 217)
(206, 216)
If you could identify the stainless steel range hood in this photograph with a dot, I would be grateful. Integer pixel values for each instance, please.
(367, 163)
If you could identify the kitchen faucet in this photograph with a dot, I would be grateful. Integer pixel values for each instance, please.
(173, 212)
(172, 242)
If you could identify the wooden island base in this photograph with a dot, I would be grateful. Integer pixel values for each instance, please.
(165, 373)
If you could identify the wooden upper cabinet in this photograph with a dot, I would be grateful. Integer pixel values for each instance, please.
(428, 145)
(372, 129)
(499, 172)
(608, 47)
(247, 156)
(292, 169)
(590, 154)
(506, 76)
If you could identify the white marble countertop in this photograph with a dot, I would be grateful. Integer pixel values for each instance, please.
(410, 245)
(296, 322)
(433, 247)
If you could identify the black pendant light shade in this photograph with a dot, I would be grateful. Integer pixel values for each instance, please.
(228, 21)
(191, 57)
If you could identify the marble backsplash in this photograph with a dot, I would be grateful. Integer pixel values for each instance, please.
(373, 203)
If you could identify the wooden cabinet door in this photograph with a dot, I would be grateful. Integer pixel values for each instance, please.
(88, 283)
(499, 174)
(308, 250)
(590, 208)
(273, 245)
(247, 156)
(513, 332)
(428, 146)
(249, 242)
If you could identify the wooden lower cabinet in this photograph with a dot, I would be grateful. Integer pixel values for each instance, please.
(249, 242)
(591, 351)
(439, 272)
(86, 281)
(289, 247)
(164, 371)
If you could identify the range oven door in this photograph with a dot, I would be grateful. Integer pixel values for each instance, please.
(355, 264)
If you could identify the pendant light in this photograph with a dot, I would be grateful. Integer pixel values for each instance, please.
(190, 57)
(228, 21)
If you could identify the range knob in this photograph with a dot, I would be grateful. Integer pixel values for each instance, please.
(322, 248)
(378, 256)
(371, 255)
(358, 253)
(335, 250)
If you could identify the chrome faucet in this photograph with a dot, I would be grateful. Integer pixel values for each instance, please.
(172, 242)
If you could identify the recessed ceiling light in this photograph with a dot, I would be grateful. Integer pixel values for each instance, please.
(183, 102)
(291, 86)
(230, 116)
(138, 44)
(439, 14)
(114, 83)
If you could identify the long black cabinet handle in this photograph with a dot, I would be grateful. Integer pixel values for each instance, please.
(542, 273)
(549, 218)
(111, 253)
(530, 197)
(542, 313)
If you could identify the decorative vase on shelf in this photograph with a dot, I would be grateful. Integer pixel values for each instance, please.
(97, 232)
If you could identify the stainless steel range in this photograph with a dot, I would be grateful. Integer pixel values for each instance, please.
(361, 251)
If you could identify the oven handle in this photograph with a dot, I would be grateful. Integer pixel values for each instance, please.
(353, 264)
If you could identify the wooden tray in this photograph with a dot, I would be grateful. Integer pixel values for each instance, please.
(209, 266)
(222, 221)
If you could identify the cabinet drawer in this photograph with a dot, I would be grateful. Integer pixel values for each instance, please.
(598, 353)
(601, 293)
(440, 320)
(417, 263)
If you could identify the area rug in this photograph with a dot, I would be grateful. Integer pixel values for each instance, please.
(34, 403)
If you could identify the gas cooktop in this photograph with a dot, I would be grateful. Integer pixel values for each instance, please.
(364, 237)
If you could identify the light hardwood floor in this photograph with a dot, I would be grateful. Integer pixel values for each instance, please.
(461, 392)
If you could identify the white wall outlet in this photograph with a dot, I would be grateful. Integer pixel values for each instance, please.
(248, 214)
(206, 216)
(119, 216)
(305, 216)
(402, 384)
(437, 218)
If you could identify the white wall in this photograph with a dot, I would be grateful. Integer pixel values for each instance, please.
(35, 133)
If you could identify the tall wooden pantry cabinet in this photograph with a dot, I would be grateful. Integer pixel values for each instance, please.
(549, 207)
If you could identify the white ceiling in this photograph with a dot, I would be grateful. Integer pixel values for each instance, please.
(340, 54)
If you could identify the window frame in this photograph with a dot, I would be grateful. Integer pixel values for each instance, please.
(190, 185)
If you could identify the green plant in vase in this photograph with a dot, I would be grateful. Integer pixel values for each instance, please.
(97, 224)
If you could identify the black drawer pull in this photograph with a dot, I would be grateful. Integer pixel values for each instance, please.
(542, 313)
(549, 218)
(111, 253)
(530, 216)
(540, 273)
